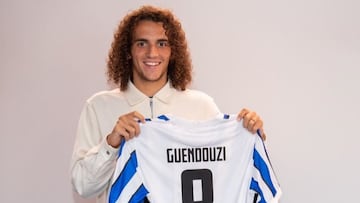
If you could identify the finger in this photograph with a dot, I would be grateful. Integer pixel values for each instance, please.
(257, 126)
(128, 126)
(130, 132)
(133, 128)
(133, 125)
(247, 118)
(121, 129)
(251, 125)
(138, 116)
(126, 136)
(242, 113)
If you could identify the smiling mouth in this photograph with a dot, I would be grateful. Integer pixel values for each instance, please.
(152, 63)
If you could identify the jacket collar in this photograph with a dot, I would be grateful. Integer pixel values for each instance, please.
(135, 96)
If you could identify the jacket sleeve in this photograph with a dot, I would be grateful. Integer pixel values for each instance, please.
(93, 160)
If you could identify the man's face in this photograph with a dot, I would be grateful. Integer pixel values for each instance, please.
(150, 52)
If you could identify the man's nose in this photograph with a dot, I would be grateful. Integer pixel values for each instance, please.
(153, 51)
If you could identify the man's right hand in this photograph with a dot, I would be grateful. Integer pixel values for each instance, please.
(127, 126)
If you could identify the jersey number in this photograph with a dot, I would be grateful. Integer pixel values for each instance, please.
(205, 177)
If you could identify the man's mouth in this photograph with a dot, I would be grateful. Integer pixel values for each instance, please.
(152, 63)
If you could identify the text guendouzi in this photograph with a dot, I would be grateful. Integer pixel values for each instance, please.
(198, 154)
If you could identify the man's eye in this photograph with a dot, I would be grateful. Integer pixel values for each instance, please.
(163, 44)
(140, 44)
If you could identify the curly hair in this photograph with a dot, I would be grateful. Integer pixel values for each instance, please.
(119, 65)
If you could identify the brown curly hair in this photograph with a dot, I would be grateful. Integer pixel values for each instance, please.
(119, 65)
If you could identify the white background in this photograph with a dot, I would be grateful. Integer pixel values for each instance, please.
(296, 63)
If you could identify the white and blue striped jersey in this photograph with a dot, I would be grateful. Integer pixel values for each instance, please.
(179, 161)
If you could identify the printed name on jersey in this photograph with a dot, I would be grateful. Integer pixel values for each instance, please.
(197, 154)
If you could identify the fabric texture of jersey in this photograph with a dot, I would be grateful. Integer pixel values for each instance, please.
(179, 161)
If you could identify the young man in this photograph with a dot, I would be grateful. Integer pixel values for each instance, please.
(150, 62)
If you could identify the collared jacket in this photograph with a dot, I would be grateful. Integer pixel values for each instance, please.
(93, 160)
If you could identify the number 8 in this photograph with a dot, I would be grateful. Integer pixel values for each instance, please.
(187, 178)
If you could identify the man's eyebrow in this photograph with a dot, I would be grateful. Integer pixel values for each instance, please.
(146, 40)
(162, 40)
(140, 39)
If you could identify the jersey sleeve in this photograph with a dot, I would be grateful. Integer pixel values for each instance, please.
(127, 183)
(264, 181)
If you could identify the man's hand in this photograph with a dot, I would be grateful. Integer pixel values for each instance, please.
(126, 127)
(252, 122)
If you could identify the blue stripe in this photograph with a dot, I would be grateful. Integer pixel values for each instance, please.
(163, 117)
(254, 185)
(262, 167)
(124, 177)
(139, 195)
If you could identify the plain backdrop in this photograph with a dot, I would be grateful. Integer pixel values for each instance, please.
(296, 63)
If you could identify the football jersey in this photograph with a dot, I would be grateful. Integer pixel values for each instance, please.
(180, 161)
